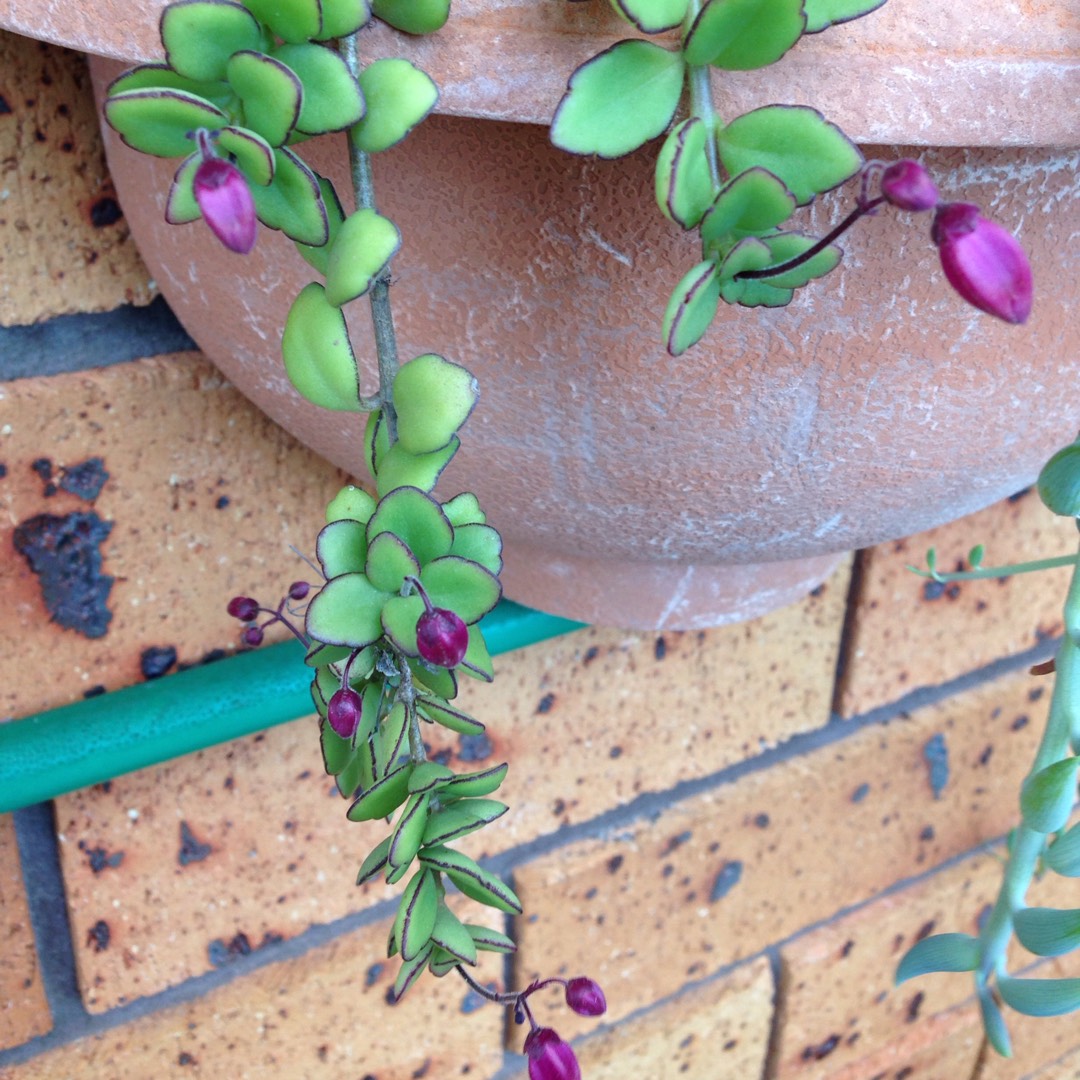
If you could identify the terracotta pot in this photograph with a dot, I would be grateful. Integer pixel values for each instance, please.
(649, 492)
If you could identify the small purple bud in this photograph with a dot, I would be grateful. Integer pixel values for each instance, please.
(252, 636)
(343, 711)
(585, 997)
(442, 638)
(983, 262)
(226, 203)
(549, 1057)
(298, 590)
(907, 185)
(243, 608)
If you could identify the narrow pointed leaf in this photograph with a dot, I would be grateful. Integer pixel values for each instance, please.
(684, 186)
(1048, 931)
(429, 776)
(1040, 997)
(410, 971)
(383, 797)
(489, 940)
(1046, 799)
(454, 719)
(1063, 855)
(416, 914)
(941, 952)
(409, 830)
(475, 882)
(461, 818)
(994, 1024)
(692, 308)
(375, 863)
(483, 782)
(450, 934)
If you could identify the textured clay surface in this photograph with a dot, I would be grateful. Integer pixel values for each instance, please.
(64, 243)
(874, 406)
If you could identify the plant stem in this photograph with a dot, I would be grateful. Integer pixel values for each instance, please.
(508, 998)
(1027, 844)
(999, 571)
(382, 319)
(701, 101)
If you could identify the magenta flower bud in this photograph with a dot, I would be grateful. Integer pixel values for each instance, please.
(907, 185)
(298, 590)
(441, 637)
(252, 636)
(585, 997)
(343, 711)
(549, 1057)
(243, 608)
(983, 262)
(225, 200)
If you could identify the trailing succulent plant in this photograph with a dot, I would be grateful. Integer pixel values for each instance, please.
(406, 576)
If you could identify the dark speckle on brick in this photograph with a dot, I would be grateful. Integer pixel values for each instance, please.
(660, 648)
(933, 590)
(914, 1005)
(474, 747)
(191, 848)
(761, 821)
(984, 757)
(926, 833)
(43, 466)
(615, 751)
(860, 793)
(185, 1059)
(1020, 495)
(220, 952)
(65, 554)
(49, 490)
(726, 880)
(3, 470)
(5, 108)
(546, 703)
(614, 864)
(94, 691)
(97, 937)
(1019, 723)
(85, 479)
(156, 660)
(105, 211)
(99, 859)
(822, 1050)
(936, 756)
(222, 502)
(591, 653)
(926, 929)
(373, 974)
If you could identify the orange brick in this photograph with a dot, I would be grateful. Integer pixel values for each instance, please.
(577, 717)
(24, 1011)
(64, 246)
(323, 1014)
(719, 1031)
(204, 496)
(717, 877)
(902, 639)
(1066, 1068)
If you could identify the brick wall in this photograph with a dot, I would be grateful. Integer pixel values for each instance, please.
(738, 832)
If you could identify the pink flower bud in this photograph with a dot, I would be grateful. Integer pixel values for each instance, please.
(585, 997)
(343, 711)
(441, 637)
(983, 262)
(298, 590)
(907, 185)
(549, 1057)
(226, 203)
(252, 636)
(243, 608)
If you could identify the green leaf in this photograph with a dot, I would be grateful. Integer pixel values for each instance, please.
(436, 680)
(341, 18)
(994, 1023)
(162, 77)
(320, 655)
(400, 615)
(441, 962)
(317, 352)
(454, 719)
(793, 142)
(331, 99)
(375, 862)
(1059, 482)
(346, 611)
(433, 398)
(1048, 931)
(461, 818)
(975, 556)
(752, 203)
(389, 562)
(739, 35)
(652, 16)
(337, 752)
(1040, 997)
(466, 588)
(354, 776)
(416, 914)
(200, 35)
(785, 246)
(376, 441)
(398, 468)
(619, 100)
(451, 935)
(464, 509)
(417, 518)
(253, 155)
(479, 543)
(412, 16)
(161, 122)
(475, 882)
(398, 95)
(365, 243)
(691, 309)
(410, 830)
(411, 970)
(468, 785)
(351, 502)
(429, 776)
(290, 20)
(684, 186)
(1063, 855)
(383, 797)
(489, 940)
(293, 202)
(319, 257)
(180, 204)
(477, 660)
(391, 740)
(821, 14)
(1046, 799)
(341, 548)
(269, 91)
(941, 952)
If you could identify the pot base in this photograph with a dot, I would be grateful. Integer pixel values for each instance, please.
(663, 596)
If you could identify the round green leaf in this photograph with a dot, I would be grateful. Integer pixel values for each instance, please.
(652, 16)
(341, 18)
(398, 96)
(412, 16)
(346, 611)
(331, 98)
(480, 543)
(619, 100)
(341, 548)
(161, 122)
(400, 615)
(684, 186)
(795, 143)
(293, 201)
(253, 155)
(318, 354)
(1059, 482)
(200, 35)
(365, 243)
(399, 468)
(350, 502)
(162, 77)
(290, 20)
(433, 399)
(464, 587)
(417, 519)
(740, 35)
(821, 14)
(786, 246)
(269, 91)
(691, 308)
(464, 509)
(752, 203)
(389, 562)
(180, 204)
(1046, 799)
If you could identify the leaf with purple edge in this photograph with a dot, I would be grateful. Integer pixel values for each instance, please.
(752, 203)
(346, 611)
(293, 201)
(684, 185)
(341, 18)
(180, 204)
(341, 548)
(383, 797)
(417, 519)
(269, 91)
(400, 615)
(317, 352)
(789, 245)
(290, 20)
(201, 35)
(160, 122)
(410, 971)
(461, 818)
(488, 940)
(464, 587)
(479, 544)
(454, 719)
(375, 862)
(389, 562)
(740, 35)
(475, 882)
(477, 660)
(319, 256)
(691, 309)
(400, 468)
(253, 155)
(450, 934)
(652, 16)
(410, 829)
(821, 14)
(416, 913)
(468, 785)
(331, 99)
(429, 776)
